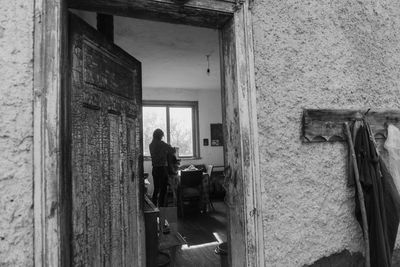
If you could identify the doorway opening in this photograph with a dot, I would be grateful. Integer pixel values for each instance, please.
(181, 94)
(238, 118)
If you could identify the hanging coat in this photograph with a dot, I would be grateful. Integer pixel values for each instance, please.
(382, 201)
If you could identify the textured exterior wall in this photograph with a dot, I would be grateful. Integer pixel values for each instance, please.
(317, 54)
(16, 74)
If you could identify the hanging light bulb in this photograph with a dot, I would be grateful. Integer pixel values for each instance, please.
(208, 64)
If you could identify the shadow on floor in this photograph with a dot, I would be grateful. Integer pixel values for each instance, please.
(202, 232)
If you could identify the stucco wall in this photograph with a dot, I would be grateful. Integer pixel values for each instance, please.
(317, 54)
(16, 73)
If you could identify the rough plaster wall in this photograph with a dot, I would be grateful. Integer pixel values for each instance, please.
(16, 74)
(317, 54)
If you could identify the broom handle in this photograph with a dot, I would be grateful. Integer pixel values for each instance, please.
(360, 195)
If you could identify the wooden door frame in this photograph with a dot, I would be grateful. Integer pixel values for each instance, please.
(51, 233)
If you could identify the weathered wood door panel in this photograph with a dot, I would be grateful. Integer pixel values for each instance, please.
(105, 108)
(233, 149)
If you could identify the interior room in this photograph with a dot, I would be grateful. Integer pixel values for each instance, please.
(181, 93)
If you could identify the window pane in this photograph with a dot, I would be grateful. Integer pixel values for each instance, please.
(181, 129)
(153, 118)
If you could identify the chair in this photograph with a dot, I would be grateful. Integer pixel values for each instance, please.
(190, 188)
(200, 167)
(172, 188)
(209, 169)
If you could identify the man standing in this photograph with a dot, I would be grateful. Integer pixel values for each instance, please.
(159, 151)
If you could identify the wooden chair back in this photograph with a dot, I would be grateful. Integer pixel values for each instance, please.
(191, 178)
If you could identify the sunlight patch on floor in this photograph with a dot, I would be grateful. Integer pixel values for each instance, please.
(186, 247)
(218, 237)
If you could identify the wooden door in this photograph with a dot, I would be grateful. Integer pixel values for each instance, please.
(106, 148)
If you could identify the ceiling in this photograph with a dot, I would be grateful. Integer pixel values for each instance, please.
(172, 56)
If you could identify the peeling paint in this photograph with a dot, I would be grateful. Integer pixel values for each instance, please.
(53, 208)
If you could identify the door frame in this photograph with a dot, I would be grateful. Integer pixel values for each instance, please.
(51, 191)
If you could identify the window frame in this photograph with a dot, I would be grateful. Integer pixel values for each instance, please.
(194, 105)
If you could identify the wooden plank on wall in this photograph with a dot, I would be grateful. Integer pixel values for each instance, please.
(326, 125)
(203, 13)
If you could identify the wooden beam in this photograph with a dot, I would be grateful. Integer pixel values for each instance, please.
(105, 25)
(202, 13)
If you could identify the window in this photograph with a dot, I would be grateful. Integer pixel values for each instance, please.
(179, 122)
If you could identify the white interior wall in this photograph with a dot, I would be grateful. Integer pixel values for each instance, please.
(172, 56)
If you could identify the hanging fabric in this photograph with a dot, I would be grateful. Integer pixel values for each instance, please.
(392, 145)
(382, 201)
